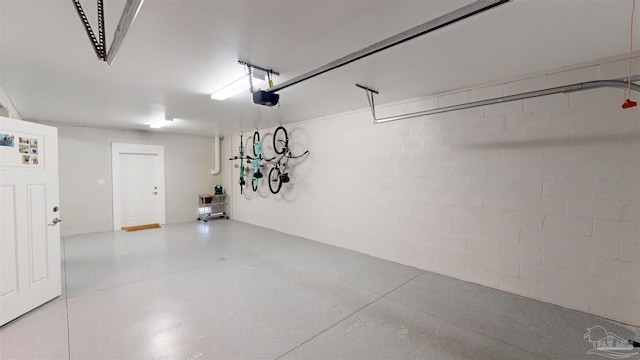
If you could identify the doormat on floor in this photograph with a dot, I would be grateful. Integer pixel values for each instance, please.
(141, 227)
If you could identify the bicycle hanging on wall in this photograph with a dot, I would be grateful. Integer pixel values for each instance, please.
(278, 173)
(257, 157)
(240, 157)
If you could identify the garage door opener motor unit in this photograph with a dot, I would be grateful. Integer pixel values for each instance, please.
(265, 98)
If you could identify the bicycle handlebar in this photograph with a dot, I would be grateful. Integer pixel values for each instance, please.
(299, 156)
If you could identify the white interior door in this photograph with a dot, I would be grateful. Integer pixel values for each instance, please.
(138, 185)
(139, 189)
(30, 266)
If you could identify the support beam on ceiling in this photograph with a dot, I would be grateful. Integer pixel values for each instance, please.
(131, 9)
(432, 25)
(129, 13)
(96, 42)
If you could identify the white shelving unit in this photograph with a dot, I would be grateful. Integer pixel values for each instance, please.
(210, 206)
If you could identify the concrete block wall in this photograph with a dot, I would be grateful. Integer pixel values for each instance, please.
(538, 197)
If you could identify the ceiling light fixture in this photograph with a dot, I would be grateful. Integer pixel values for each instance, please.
(161, 123)
(237, 86)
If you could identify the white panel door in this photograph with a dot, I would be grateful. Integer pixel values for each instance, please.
(30, 268)
(138, 184)
(139, 195)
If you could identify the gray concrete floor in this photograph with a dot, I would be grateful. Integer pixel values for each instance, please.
(229, 290)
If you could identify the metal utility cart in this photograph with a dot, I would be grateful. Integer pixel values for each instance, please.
(210, 206)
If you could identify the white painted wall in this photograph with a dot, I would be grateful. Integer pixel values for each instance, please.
(537, 197)
(85, 158)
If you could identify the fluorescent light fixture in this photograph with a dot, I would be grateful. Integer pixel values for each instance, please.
(237, 86)
(161, 123)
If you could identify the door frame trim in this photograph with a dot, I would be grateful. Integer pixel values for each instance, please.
(118, 149)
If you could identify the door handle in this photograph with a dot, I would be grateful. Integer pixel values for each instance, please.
(55, 221)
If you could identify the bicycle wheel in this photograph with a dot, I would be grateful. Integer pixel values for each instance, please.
(280, 140)
(256, 144)
(275, 181)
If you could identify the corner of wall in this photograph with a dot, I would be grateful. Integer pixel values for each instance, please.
(6, 103)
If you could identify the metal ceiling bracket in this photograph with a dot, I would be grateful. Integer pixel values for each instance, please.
(370, 93)
(588, 85)
(250, 67)
(99, 44)
(447, 19)
(268, 71)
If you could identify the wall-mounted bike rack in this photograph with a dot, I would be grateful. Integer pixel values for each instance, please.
(588, 85)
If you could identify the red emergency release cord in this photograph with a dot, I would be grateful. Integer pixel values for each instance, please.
(630, 103)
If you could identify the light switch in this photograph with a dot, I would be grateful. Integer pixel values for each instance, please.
(101, 182)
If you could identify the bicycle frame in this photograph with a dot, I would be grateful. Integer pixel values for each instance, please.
(241, 157)
(257, 156)
(280, 167)
(241, 149)
(256, 165)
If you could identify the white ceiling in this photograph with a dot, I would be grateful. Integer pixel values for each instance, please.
(177, 52)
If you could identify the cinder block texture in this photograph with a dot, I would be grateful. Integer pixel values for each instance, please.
(538, 197)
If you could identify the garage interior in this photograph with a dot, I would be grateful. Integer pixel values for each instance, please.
(507, 229)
